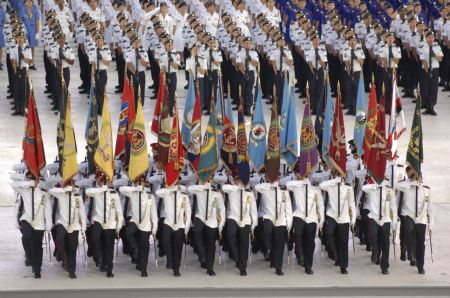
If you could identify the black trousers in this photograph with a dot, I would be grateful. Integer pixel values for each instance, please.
(103, 246)
(58, 86)
(248, 84)
(352, 90)
(304, 236)
(337, 239)
(21, 90)
(205, 242)
(279, 84)
(387, 80)
(211, 88)
(274, 240)
(67, 244)
(367, 70)
(154, 70)
(201, 90)
(415, 241)
(85, 69)
(429, 88)
(258, 240)
(139, 240)
(101, 79)
(47, 63)
(238, 242)
(139, 80)
(365, 226)
(173, 246)
(172, 87)
(379, 239)
(316, 87)
(32, 244)
(120, 64)
(234, 84)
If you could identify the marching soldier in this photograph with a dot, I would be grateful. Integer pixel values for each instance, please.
(242, 218)
(143, 221)
(100, 59)
(281, 59)
(34, 214)
(196, 66)
(213, 58)
(417, 209)
(382, 215)
(316, 57)
(308, 214)
(170, 62)
(137, 62)
(177, 209)
(107, 219)
(209, 220)
(353, 57)
(277, 209)
(248, 64)
(70, 219)
(340, 212)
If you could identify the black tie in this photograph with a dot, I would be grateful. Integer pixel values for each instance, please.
(306, 201)
(247, 59)
(276, 204)
(104, 207)
(352, 54)
(207, 203)
(210, 58)
(175, 209)
(140, 207)
(417, 199)
(137, 53)
(430, 54)
(32, 203)
(317, 57)
(339, 199)
(241, 204)
(281, 59)
(20, 57)
(390, 56)
(381, 200)
(70, 206)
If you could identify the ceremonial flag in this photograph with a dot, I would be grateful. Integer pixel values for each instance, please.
(165, 129)
(338, 152)
(361, 117)
(209, 160)
(129, 94)
(414, 156)
(228, 150)
(257, 138)
(69, 164)
(397, 123)
(187, 115)
(175, 162)
(284, 115)
(309, 155)
(104, 158)
(160, 98)
(372, 112)
(327, 125)
(243, 166)
(318, 122)
(289, 147)
(61, 124)
(272, 161)
(33, 146)
(91, 131)
(376, 167)
(139, 151)
(123, 120)
(219, 115)
(193, 150)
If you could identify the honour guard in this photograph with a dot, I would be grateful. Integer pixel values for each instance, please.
(137, 62)
(21, 57)
(100, 59)
(170, 62)
(248, 64)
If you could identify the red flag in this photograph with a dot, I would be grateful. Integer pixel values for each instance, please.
(159, 100)
(175, 161)
(164, 129)
(371, 121)
(338, 152)
(397, 124)
(376, 165)
(33, 147)
(195, 142)
(123, 120)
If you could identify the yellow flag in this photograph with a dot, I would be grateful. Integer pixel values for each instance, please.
(69, 153)
(138, 150)
(104, 154)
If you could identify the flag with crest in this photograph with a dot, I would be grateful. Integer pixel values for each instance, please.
(243, 166)
(257, 138)
(69, 164)
(272, 161)
(195, 139)
(338, 152)
(187, 115)
(289, 136)
(209, 160)
(361, 117)
(104, 157)
(228, 150)
(414, 156)
(165, 129)
(327, 126)
(175, 161)
(371, 122)
(91, 131)
(397, 123)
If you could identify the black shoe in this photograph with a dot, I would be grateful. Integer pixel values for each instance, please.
(54, 108)
(247, 114)
(10, 97)
(102, 269)
(176, 274)
(151, 86)
(269, 102)
(267, 256)
(16, 113)
(37, 275)
(421, 271)
(350, 112)
(412, 262)
(235, 108)
(309, 271)
(344, 271)
(72, 275)
(211, 273)
(206, 113)
(368, 247)
(33, 67)
(279, 272)
(28, 262)
(47, 91)
(186, 87)
(118, 91)
(83, 92)
(243, 273)
(433, 113)
(160, 253)
(168, 266)
(336, 263)
(300, 262)
(138, 267)
(385, 271)
(153, 97)
(144, 273)
(109, 274)
(402, 257)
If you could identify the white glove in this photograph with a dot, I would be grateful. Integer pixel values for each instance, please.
(394, 226)
(37, 36)
(154, 233)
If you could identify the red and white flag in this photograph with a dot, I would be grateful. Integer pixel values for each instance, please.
(397, 123)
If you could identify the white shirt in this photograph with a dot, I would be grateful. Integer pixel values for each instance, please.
(178, 216)
(34, 200)
(106, 55)
(358, 53)
(241, 206)
(107, 209)
(436, 52)
(276, 204)
(339, 206)
(380, 195)
(131, 58)
(75, 209)
(311, 56)
(241, 57)
(273, 16)
(164, 62)
(167, 23)
(211, 22)
(148, 214)
(384, 53)
(14, 55)
(190, 65)
(66, 50)
(210, 206)
(275, 56)
(210, 59)
(307, 198)
(425, 213)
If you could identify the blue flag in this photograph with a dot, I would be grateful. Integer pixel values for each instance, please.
(258, 132)
(327, 125)
(360, 119)
(187, 115)
(289, 147)
(284, 115)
